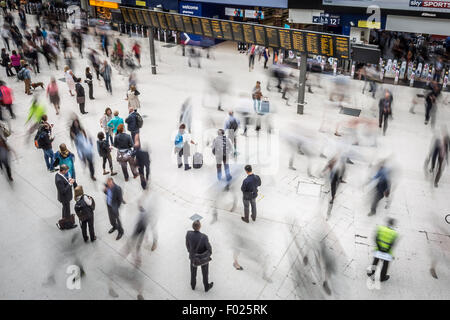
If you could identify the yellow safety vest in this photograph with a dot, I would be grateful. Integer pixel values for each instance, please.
(385, 238)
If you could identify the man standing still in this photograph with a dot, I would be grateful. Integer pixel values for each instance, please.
(64, 187)
(385, 107)
(249, 190)
(198, 243)
(113, 201)
(384, 240)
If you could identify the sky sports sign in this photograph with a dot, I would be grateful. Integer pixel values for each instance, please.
(429, 4)
(407, 5)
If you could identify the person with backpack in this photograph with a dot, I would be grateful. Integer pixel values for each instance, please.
(182, 148)
(6, 99)
(104, 151)
(84, 208)
(132, 98)
(44, 142)
(25, 75)
(134, 122)
(81, 98)
(222, 148)
(67, 158)
(231, 127)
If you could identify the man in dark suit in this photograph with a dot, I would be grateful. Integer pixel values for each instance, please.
(249, 190)
(113, 201)
(64, 187)
(197, 242)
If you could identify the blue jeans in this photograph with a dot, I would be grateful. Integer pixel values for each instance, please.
(227, 170)
(108, 136)
(49, 158)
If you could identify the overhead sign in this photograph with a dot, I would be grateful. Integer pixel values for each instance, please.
(407, 5)
(104, 4)
(370, 25)
(311, 42)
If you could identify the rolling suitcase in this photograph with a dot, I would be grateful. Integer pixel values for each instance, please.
(67, 223)
(264, 106)
(197, 160)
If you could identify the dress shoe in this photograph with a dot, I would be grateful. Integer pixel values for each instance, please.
(113, 173)
(86, 239)
(73, 226)
(209, 286)
(254, 218)
(112, 230)
(245, 220)
(180, 165)
(193, 287)
(105, 173)
(126, 179)
(93, 239)
(119, 236)
(93, 178)
(187, 167)
(385, 278)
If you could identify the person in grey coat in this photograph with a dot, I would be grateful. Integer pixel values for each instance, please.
(222, 148)
(106, 74)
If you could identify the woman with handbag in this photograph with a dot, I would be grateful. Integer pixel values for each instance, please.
(124, 145)
(81, 98)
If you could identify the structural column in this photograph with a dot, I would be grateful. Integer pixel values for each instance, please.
(302, 83)
(152, 49)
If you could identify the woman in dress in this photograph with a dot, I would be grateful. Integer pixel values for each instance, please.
(69, 76)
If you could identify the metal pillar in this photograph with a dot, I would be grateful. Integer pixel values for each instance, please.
(152, 49)
(302, 83)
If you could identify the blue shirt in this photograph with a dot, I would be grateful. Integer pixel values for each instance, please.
(109, 197)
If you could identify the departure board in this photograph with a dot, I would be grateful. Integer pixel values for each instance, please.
(249, 35)
(187, 24)
(178, 22)
(260, 36)
(216, 30)
(298, 41)
(206, 28)
(226, 30)
(140, 18)
(326, 45)
(162, 20)
(125, 15)
(238, 33)
(312, 43)
(154, 18)
(197, 26)
(341, 47)
(272, 37)
(132, 16)
(285, 39)
(146, 15)
(170, 22)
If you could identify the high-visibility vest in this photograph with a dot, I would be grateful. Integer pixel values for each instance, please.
(385, 238)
